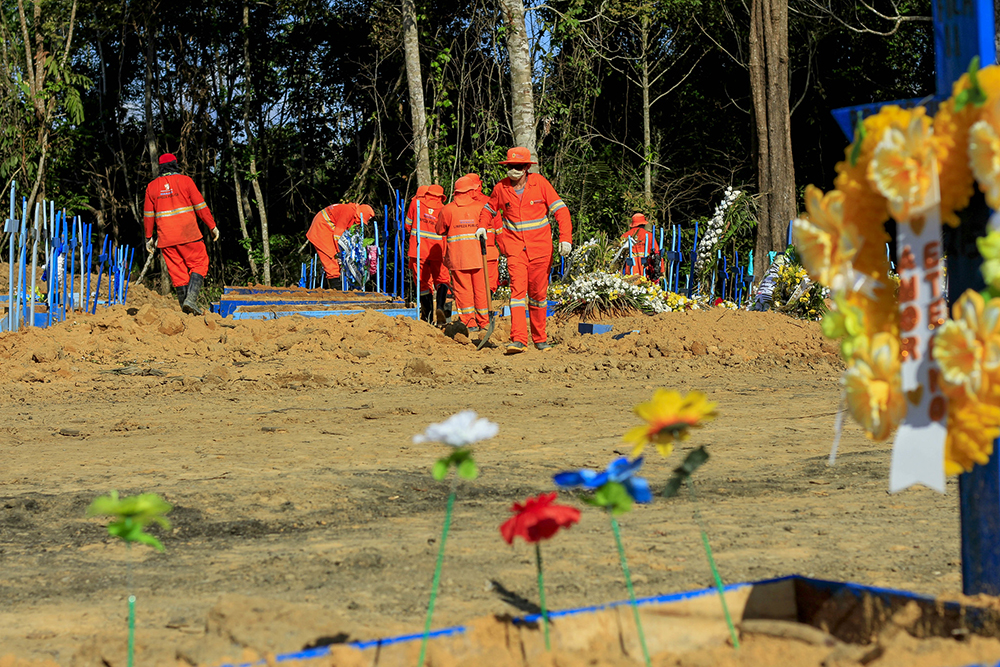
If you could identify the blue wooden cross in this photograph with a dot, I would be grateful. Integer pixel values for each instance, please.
(963, 29)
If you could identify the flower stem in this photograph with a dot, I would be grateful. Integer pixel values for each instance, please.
(711, 564)
(131, 604)
(437, 578)
(628, 585)
(541, 594)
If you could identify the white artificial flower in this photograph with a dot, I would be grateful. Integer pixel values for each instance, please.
(459, 430)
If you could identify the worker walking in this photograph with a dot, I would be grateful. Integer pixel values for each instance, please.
(458, 223)
(434, 276)
(328, 226)
(492, 254)
(525, 202)
(171, 211)
(643, 245)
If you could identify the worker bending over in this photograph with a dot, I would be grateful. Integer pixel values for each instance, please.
(433, 273)
(643, 243)
(328, 226)
(524, 202)
(172, 208)
(458, 223)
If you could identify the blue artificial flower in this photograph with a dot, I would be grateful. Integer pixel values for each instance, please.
(620, 470)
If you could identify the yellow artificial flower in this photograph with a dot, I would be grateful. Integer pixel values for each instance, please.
(903, 167)
(989, 248)
(668, 417)
(982, 317)
(821, 239)
(872, 383)
(972, 428)
(984, 159)
(960, 357)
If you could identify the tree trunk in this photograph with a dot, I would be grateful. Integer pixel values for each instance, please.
(265, 238)
(522, 102)
(151, 144)
(418, 118)
(773, 140)
(647, 139)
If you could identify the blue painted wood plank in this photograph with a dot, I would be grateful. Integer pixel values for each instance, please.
(274, 314)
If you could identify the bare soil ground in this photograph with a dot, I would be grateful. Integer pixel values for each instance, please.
(304, 514)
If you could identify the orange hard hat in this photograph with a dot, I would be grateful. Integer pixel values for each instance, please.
(422, 190)
(638, 220)
(464, 184)
(366, 211)
(435, 191)
(518, 155)
(477, 182)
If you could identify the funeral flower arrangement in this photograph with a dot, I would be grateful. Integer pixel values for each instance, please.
(909, 365)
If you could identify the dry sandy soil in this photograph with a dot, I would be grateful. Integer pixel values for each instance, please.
(304, 514)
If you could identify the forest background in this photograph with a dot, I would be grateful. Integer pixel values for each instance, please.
(279, 108)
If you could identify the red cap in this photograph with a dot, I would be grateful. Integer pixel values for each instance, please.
(435, 191)
(168, 157)
(464, 184)
(422, 190)
(638, 220)
(366, 211)
(477, 183)
(518, 155)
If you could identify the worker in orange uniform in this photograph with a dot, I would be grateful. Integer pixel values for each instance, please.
(492, 254)
(643, 243)
(525, 202)
(172, 208)
(434, 276)
(458, 223)
(328, 226)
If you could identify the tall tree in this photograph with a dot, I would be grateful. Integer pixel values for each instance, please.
(418, 116)
(249, 99)
(522, 97)
(769, 83)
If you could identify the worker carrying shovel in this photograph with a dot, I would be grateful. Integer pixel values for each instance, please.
(328, 226)
(492, 254)
(173, 206)
(525, 202)
(458, 223)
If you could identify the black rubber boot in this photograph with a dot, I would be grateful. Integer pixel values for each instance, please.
(426, 306)
(181, 294)
(190, 304)
(441, 295)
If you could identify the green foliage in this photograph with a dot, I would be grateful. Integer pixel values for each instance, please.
(133, 514)
(973, 94)
(461, 460)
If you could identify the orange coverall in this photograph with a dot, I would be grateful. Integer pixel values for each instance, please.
(526, 242)
(458, 222)
(432, 269)
(643, 243)
(325, 231)
(492, 254)
(173, 206)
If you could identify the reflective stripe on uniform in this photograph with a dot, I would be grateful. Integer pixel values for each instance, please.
(461, 237)
(428, 235)
(556, 205)
(518, 303)
(525, 225)
(537, 304)
(200, 206)
(175, 211)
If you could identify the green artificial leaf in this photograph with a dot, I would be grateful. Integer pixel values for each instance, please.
(692, 462)
(467, 469)
(132, 514)
(859, 138)
(974, 93)
(611, 496)
(440, 469)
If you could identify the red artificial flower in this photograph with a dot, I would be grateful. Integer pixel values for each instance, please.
(718, 301)
(538, 519)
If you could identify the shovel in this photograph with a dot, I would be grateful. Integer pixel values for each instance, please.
(489, 295)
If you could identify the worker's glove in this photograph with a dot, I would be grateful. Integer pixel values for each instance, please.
(480, 233)
(215, 233)
(565, 248)
(150, 245)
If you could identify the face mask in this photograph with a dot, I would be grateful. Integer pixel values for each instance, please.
(515, 174)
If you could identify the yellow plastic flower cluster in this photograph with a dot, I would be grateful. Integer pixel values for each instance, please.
(890, 170)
